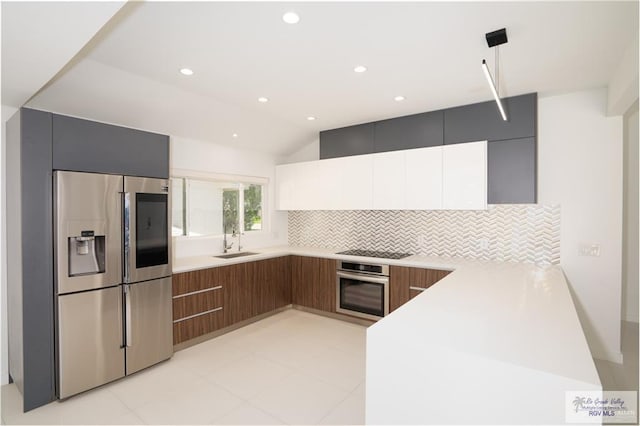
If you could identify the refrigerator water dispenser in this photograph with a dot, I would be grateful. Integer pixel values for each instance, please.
(86, 255)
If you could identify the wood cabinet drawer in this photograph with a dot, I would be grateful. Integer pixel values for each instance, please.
(406, 283)
(197, 302)
(188, 282)
(197, 326)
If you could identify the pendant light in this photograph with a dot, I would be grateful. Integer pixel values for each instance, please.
(495, 39)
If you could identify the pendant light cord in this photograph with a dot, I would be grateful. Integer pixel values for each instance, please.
(497, 69)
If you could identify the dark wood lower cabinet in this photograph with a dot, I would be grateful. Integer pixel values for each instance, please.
(208, 300)
(242, 291)
(401, 279)
(198, 302)
(197, 326)
(313, 282)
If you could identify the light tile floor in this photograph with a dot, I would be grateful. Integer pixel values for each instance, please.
(290, 368)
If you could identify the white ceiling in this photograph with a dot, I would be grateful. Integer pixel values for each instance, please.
(429, 52)
(39, 38)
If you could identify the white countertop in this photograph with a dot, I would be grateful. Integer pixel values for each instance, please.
(511, 312)
(185, 264)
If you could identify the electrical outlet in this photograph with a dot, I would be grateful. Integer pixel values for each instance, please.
(589, 249)
(422, 240)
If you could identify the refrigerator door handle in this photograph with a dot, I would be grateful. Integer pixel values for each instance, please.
(127, 236)
(127, 319)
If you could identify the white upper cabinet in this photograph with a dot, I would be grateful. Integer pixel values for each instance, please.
(423, 174)
(293, 191)
(464, 176)
(442, 177)
(389, 192)
(355, 173)
(334, 184)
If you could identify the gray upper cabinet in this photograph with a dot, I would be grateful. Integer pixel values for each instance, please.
(482, 121)
(409, 132)
(89, 146)
(512, 171)
(346, 141)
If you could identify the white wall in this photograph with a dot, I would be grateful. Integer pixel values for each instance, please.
(580, 168)
(203, 156)
(630, 217)
(309, 152)
(623, 85)
(7, 112)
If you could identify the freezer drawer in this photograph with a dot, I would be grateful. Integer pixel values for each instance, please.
(149, 319)
(89, 340)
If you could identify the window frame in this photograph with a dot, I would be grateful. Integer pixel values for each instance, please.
(242, 180)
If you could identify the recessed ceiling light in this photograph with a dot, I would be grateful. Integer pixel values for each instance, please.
(235, 135)
(263, 99)
(399, 98)
(186, 71)
(311, 118)
(360, 68)
(291, 18)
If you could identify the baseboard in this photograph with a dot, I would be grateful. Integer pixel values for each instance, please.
(214, 334)
(335, 315)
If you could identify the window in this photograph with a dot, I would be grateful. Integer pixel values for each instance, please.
(213, 205)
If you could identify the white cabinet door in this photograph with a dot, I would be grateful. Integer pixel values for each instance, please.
(464, 177)
(326, 188)
(294, 185)
(356, 182)
(389, 180)
(423, 174)
(333, 184)
(285, 187)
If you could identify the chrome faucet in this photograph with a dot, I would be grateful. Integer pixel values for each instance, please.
(226, 246)
(238, 235)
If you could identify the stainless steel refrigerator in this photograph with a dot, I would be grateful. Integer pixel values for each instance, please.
(113, 277)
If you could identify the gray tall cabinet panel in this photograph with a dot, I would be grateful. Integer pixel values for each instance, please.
(30, 265)
(512, 171)
(89, 146)
(482, 121)
(408, 132)
(346, 141)
(38, 143)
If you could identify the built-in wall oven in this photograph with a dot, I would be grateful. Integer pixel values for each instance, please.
(362, 289)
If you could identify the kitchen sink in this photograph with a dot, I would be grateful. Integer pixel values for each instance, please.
(239, 254)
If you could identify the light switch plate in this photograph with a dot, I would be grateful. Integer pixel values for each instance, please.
(589, 249)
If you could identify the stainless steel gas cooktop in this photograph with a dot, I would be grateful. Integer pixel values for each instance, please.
(373, 253)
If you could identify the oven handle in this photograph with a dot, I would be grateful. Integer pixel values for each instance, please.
(362, 277)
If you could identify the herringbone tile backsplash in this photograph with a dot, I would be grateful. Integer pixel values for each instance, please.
(507, 232)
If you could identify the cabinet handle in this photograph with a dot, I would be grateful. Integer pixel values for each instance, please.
(197, 315)
(127, 306)
(197, 292)
(417, 288)
(127, 237)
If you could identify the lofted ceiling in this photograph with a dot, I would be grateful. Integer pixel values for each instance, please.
(40, 38)
(428, 52)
